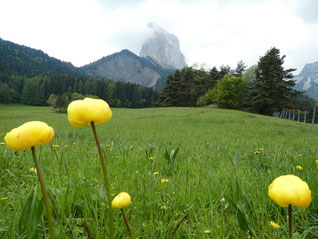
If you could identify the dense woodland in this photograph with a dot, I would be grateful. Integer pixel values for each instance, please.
(263, 88)
(37, 90)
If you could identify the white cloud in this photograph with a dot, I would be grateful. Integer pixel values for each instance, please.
(211, 32)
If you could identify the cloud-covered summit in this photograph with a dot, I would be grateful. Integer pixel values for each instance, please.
(163, 47)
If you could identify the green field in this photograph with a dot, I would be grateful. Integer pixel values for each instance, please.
(216, 160)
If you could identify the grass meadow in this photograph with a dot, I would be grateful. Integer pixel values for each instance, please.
(217, 183)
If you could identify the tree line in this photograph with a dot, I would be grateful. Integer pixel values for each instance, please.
(38, 89)
(263, 88)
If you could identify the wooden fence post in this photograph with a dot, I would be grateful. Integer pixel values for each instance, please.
(313, 116)
(298, 115)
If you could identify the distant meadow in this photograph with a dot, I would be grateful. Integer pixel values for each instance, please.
(190, 172)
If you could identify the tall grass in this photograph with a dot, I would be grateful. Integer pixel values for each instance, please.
(217, 186)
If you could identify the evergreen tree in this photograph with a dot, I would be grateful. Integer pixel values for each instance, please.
(240, 69)
(225, 70)
(61, 103)
(168, 94)
(272, 87)
(29, 92)
(5, 94)
(137, 97)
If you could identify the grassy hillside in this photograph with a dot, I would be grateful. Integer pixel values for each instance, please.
(216, 160)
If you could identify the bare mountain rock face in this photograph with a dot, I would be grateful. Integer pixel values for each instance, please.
(307, 80)
(160, 56)
(128, 67)
(163, 48)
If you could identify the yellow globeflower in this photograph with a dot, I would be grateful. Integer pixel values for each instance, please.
(83, 112)
(290, 189)
(29, 134)
(121, 200)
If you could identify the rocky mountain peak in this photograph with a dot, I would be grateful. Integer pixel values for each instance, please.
(309, 69)
(307, 80)
(163, 47)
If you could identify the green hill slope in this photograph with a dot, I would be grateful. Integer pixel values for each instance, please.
(16, 59)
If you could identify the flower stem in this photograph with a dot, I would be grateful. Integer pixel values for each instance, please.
(107, 185)
(46, 202)
(126, 222)
(290, 221)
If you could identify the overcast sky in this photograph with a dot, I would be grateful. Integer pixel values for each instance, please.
(210, 32)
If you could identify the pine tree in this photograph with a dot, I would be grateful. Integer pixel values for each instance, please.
(272, 87)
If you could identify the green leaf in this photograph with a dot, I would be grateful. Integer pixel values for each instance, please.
(102, 193)
(242, 219)
(235, 191)
(3, 229)
(167, 156)
(174, 153)
(31, 216)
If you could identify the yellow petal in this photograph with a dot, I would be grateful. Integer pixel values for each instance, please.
(121, 200)
(83, 112)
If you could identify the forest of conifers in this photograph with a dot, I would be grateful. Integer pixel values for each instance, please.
(37, 90)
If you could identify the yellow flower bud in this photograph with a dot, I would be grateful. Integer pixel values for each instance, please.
(274, 224)
(290, 189)
(164, 180)
(29, 134)
(121, 200)
(298, 167)
(83, 112)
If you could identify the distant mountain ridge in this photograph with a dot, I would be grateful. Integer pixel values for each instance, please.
(307, 80)
(123, 66)
(16, 59)
(127, 66)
